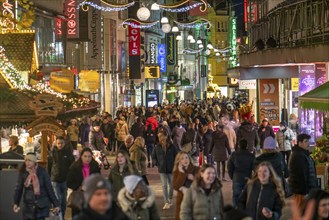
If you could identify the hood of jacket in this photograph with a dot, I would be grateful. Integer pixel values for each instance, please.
(126, 201)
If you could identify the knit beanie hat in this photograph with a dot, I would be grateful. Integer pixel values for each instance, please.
(131, 182)
(93, 183)
(31, 157)
(269, 143)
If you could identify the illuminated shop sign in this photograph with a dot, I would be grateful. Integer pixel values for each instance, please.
(162, 57)
(134, 41)
(72, 15)
(233, 43)
(171, 49)
(153, 53)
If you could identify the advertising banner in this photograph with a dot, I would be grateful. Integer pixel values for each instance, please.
(94, 55)
(152, 98)
(134, 52)
(306, 79)
(62, 81)
(320, 74)
(113, 44)
(294, 84)
(89, 81)
(72, 14)
(269, 100)
(162, 58)
(171, 49)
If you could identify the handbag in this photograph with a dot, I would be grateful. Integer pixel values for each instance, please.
(75, 199)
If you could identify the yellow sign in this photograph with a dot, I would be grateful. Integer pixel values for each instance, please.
(89, 80)
(46, 105)
(152, 72)
(62, 81)
(294, 84)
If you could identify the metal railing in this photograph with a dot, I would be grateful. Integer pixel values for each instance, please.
(293, 23)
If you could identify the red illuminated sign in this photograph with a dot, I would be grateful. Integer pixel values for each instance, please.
(72, 15)
(134, 41)
(58, 28)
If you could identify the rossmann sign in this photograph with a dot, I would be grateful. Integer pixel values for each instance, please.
(72, 15)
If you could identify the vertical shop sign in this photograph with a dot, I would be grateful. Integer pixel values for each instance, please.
(233, 42)
(153, 47)
(320, 74)
(269, 100)
(162, 57)
(306, 79)
(72, 14)
(134, 52)
(113, 44)
(171, 49)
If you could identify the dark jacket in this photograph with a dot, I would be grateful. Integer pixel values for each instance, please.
(220, 147)
(188, 137)
(150, 137)
(114, 213)
(75, 177)
(41, 202)
(276, 160)
(246, 131)
(137, 130)
(240, 165)
(116, 179)
(264, 134)
(60, 163)
(18, 149)
(207, 137)
(164, 158)
(84, 132)
(106, 129)
(302, 173)
(260, 196)
(96, 141)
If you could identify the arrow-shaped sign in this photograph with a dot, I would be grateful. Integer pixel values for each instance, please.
(272, 88)
(266, 88)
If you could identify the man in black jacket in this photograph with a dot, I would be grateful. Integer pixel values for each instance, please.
(302, 172)
(61, 160)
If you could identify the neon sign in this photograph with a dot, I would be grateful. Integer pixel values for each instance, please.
(72, 19)
(233, 43)
(7, 11)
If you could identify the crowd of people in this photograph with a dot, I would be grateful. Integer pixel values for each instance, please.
(191, 145)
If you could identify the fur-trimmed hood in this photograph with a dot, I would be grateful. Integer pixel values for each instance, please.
(127, 202)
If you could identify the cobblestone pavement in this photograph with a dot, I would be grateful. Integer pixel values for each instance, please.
(155, 183)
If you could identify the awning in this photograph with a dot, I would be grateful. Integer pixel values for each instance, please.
(317, 99)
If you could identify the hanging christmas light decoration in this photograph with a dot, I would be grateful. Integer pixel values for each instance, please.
(109, 7)
(191, 51)
(195, 24)
(177, 6)
(141, 25)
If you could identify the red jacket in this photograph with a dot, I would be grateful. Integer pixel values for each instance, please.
(152, 120)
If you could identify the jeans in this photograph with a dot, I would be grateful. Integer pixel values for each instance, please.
(237, 190)
(286, 156)
(60, 190)
(149, 149)
(166, 181)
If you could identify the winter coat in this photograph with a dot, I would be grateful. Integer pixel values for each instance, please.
(188, 137)
(246, 131)
(142, 209)
(150, 137)
(197, 205)
(137, 130)
(60, 163)
(164, 158)
(35, 206)
(260, 196)
(116, 179)
(121, 130)
(277, 162)
(177, 135)
(230, 133)
(73, 132)
(152, 120)
(264, 134)
(84, 133)
(207, 137)
(284, 139)
(106, 129)
(75, 176)
(220, 147)
(96, 141)
(302, 172)
(138, 156)
(180, 180)
(114, 213)
(240, 165)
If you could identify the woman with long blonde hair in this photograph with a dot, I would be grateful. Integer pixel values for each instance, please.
(183, 175)
(138, 156)
(263, 195)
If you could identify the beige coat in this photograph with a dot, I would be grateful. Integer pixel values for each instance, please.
(73, 132)
(121, 130)
(138, 156)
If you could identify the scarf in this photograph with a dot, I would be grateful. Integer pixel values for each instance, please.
(85, 170)
(33, 178)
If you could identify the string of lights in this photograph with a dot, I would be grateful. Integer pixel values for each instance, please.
(137, 24)
(182, 9)
(110, 7)
(195, 24)
(175, 7)
(191, 51)
(15, 80)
